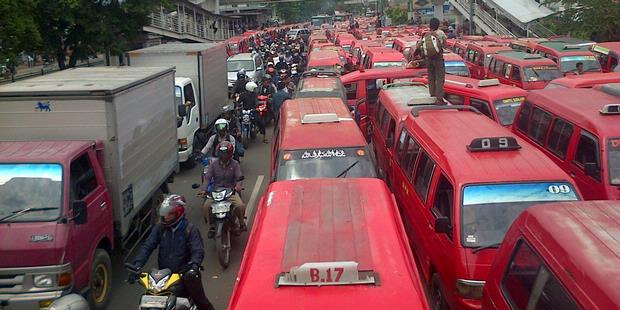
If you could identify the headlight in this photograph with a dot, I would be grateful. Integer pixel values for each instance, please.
(471, 289)
(158, 286)
(43, 280)
(218, 196)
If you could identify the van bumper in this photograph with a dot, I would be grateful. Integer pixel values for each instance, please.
(185, 155)
(19, 290)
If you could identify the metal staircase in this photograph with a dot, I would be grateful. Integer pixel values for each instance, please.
(482, 19)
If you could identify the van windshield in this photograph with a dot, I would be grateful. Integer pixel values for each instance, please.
(456, 68)
(325, 163)
(541, 73)
(488, 210)
(236, 65)
(569, 63)
(614, 161)
(37, 187)
(387, 64)
(507, 109)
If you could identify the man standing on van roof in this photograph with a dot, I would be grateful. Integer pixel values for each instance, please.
(431, 47)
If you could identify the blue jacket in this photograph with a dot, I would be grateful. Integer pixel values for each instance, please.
(278, 99)
(176, 250)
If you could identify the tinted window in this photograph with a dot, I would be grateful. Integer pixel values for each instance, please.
(516, 73)
(587, 152)
(443, 204)
(189, 100)
(372, 92)
(499, 67)
(528, 283)
(524, 117)
(351, 90)
(507, 71)
(389, 142)
(482, 106)
(83, 179)
(423, 175)
(559, 137)
(411, 155)
(539, 125)
(401, 147)
(384, 122)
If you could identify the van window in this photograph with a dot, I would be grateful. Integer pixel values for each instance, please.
(559, 137)
(529, 284)
(384, 122)
(189, 96)
(83, 179)
(507, 71)
(455, 99)
(380, 111)
(351, 90)
(401, 146)
(539, 125)
(587, 152)
(482, 106)
(423, 175)
(524, 117)
(410, 158)
(491, 65)
(372, 92)
(389, 142)
(443, 204)
(499, 67)
(516, 73)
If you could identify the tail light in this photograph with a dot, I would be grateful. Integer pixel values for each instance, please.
(262, 107)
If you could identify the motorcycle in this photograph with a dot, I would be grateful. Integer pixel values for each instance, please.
(163, 289)
(248, 129)
(264, 108)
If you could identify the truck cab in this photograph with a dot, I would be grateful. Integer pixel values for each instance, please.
(56, 221)
(188, 116)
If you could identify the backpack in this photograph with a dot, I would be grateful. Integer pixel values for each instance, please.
(431, 45)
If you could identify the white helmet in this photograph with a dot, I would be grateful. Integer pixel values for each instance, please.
(221, 125)
(251, 86)
(70, 302)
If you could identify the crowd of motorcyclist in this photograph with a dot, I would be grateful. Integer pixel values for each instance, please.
(180, 244)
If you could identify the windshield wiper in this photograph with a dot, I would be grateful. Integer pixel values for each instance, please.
(484, 247)
(24, 211)
(344, 173)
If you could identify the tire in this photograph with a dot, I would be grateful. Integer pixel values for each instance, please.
(437, 297)
(244, 140)
(100, 282)
(222, 245)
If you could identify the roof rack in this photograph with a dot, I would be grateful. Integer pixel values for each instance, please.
(611, 109)
(401, 84)
(532, 56)
(578, 45)
(421, 101)
(322, 118)
(468, 85)
(416, 110)
(488, 82)
(319, 73)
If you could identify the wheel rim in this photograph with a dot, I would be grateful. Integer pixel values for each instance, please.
(100, 283)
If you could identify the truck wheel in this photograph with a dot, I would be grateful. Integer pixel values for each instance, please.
(100, 281)
(437, 298)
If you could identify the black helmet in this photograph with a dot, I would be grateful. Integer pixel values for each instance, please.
(241, 74)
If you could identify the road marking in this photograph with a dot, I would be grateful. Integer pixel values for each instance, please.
(251, 202)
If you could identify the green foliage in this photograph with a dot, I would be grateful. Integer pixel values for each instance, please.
(295, 12)
(18, 30)
(588, 19)
(397, 14)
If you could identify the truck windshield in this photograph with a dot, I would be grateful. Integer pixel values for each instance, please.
(507, 108)
(569, 63)
(456, 68)
(325, 163)
(488, 210)
(541, 73)
(30, 186)
(236, 65)
(614, 161)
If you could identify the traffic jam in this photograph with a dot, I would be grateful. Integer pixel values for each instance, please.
(500, 194)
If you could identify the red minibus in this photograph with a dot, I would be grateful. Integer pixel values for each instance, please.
(360, 49)
(320, 84)
(325, 60)
(318, 138)
(382, 57)
(334, 243)
(497, 101)
(585, 81)
(478, 54)
(579, 129)
(405, 44)
(237, 45)
(608, 55)
(525, 44)
(568, 55)
(558, 256)
(521, 69)
(460, 180)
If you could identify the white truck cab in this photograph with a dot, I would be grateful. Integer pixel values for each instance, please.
(188, 116)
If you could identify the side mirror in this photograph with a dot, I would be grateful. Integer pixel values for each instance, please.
(442, 225)
(591, 169)
(182, 110)
(80, 213)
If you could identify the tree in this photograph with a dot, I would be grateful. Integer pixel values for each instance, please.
(590, 19)
(18, 29)
(295, 12)
(81, 28)
(397, 14)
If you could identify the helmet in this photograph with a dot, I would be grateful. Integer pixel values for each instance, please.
(172, 203)
(226, 109)
(251, 86)
(70, 302)
(221, 125)
(241, 74)
(225, 150)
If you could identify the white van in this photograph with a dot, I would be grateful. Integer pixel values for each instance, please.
(251, 62)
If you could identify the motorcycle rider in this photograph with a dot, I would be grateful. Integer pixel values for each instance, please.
(226, 172)
(266, 87)
(242, 79)
(248, 100)
(281, 64)
(180, 248)
(222, 133)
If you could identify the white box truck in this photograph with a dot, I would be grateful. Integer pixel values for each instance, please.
(200, 84)
(85, 155)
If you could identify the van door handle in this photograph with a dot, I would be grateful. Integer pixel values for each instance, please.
(572, 174)
(103, 205)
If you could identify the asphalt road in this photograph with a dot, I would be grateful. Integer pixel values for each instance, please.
(218, 282)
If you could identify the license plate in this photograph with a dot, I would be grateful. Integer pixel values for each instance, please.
(220, 207)
(149, 301)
